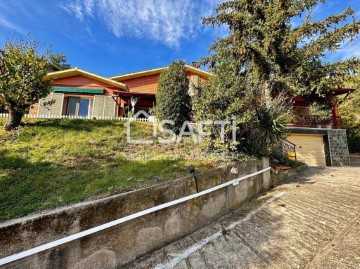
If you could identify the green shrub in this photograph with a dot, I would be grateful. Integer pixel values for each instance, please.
(277, 157)
(353, 134)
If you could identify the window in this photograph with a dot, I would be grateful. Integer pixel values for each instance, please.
(78, 106)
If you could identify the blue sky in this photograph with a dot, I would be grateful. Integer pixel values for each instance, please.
(111, 37)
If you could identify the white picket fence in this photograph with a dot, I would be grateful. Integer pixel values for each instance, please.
(28, 116)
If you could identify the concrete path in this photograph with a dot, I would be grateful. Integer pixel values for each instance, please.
(310, 222)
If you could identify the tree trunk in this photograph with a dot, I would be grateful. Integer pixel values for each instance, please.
(14, 120)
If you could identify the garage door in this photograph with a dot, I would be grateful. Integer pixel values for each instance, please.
(310, 149)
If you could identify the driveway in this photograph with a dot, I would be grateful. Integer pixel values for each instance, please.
(312, 221)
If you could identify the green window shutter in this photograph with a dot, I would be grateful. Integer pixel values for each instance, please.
(57, 107)
(98, 106)
(109, 106)
(44, 111)
(104, 106)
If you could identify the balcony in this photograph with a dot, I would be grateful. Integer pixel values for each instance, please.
(310, 121)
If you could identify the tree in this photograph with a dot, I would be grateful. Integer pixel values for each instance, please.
(58, 62)
(264, 55)
(173, 99)
(350, 114)
(22, 69)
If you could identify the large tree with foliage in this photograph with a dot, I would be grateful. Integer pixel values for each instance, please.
(265, 55)
(22, 69)
(58, 62)
(350, 113)
(173, 101)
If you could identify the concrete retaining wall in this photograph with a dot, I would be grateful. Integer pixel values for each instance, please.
(119, 245)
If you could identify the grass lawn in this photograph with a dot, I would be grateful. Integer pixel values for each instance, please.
(51, 163)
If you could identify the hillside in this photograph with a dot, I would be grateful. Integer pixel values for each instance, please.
(51, 163)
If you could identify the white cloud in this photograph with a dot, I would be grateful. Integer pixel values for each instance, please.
(165, 21)
(4, 22)
(76, 8)
(346, 51)
(89, 6)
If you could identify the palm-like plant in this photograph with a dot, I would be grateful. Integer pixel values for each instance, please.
(268, 128)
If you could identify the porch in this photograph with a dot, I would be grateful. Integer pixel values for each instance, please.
(144, 101)
(304, 118)
(310, 121)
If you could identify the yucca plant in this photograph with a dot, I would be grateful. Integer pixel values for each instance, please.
(268, 128)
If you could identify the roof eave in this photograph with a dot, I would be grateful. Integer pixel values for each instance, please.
(341, 91)
(198, 71)
(156, 71)
(139, 74)
(75, 72)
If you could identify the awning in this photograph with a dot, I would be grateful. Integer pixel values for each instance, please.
(78, 90)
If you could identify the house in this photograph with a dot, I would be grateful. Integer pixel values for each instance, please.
(76, 92)
(80, 93)
(143, 85)
(318, 142)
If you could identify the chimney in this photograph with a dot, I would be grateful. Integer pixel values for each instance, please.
(196, 64)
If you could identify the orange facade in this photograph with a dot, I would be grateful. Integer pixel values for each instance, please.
(84, 82)
(143, 86)
(149, 84)
(146, 84)
(76, 82)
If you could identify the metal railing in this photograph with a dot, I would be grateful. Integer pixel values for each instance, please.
(111, 224)
(288, 148)
(315, 121)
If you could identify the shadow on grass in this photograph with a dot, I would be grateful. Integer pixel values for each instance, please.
(73, 124)
(27, 187)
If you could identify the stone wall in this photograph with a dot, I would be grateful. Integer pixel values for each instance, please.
(121, 244)
(338, 147)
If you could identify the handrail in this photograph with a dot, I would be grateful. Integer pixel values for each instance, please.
(287, 141)
(286, 146)
(59, 242)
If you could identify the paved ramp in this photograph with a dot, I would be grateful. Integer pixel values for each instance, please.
(311, 222)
